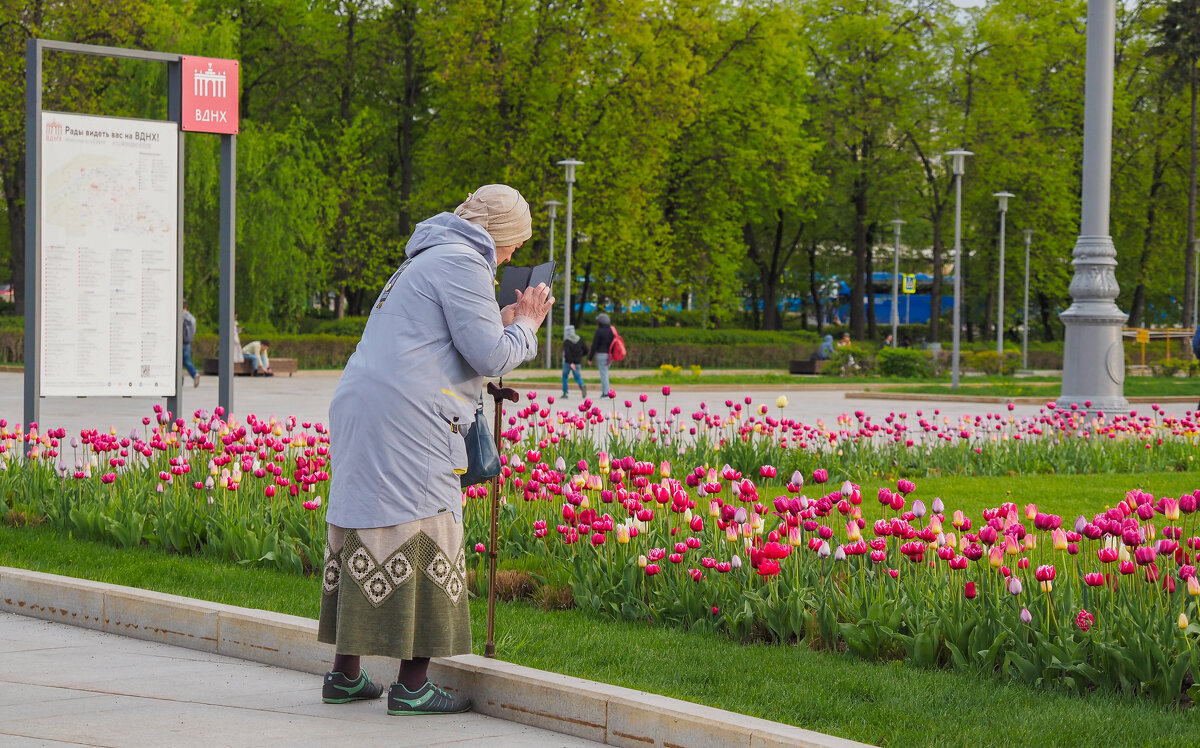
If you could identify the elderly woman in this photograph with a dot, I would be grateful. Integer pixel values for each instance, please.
(395, 566)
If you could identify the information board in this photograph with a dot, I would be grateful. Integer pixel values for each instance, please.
(109, 316)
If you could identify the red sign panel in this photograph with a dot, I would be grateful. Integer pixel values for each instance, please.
(210, 95)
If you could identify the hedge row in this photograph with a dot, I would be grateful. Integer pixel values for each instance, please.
(647, 348)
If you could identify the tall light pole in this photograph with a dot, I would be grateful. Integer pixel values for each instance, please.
(1003, 198)
(1093, 352)
(570, 165)
(896, 224)
(553, 206)
(1025, 318)
(958, 159)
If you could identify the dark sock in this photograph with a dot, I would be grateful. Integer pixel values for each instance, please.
(413, 673)
(347, 665)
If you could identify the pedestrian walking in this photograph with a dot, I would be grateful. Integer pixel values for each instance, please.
(601, 342)
(574, 349)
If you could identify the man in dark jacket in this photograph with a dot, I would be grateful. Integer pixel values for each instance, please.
(574, 349)
(601, 343)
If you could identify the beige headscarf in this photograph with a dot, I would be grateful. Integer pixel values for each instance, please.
(501, 211)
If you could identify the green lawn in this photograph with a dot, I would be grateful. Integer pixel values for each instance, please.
(1049, 388)
(989, 386)
(885, 703)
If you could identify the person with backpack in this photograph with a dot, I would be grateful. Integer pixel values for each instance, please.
(574, 349)
(602, 343)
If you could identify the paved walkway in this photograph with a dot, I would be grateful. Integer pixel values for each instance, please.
(307, 395)
(66, 686)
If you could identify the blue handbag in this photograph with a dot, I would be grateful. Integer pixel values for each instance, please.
(483, 461)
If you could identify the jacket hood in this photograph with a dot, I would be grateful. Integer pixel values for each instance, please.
(447, 228)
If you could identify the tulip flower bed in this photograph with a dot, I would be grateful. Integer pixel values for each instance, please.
(924, 442)
(1105, 602)
(243, 492)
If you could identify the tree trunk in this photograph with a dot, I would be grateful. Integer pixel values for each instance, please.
(1047, 320)
(404, 15)
(1138, 307)
(583, 292)
(935, 292)
(769, 273)
(14, 201)
(814, 289)
(1189, 263)
(872, 234)
(858, 287)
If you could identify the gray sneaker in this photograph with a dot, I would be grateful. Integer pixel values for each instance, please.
(583, 389)
(428, 699)
(339, 689)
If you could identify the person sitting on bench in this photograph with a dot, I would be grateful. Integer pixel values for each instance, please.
(255, 353)
(825, 352)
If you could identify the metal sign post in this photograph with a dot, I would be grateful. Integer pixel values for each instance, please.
(208, 104)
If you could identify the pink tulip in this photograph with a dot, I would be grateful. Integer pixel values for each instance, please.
(1084, 620)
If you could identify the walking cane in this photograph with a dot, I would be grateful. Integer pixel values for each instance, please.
(499, 393)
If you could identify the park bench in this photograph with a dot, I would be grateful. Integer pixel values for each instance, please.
(212, 366)
(806, 366)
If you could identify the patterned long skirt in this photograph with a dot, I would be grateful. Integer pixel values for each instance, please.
(398, 591)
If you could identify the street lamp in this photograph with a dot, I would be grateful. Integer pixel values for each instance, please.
(1025, 319)
(1093, 352)
(570, 165)
(553, 206)
(958, 160)
(1003, 198)
(896, 224)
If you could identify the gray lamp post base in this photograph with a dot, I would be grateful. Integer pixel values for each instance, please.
(1093, 354)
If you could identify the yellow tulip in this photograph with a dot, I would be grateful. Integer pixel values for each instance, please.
(1183, 621)
(781, 401)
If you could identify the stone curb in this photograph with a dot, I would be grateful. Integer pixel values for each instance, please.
(574, 706)
(924, 397)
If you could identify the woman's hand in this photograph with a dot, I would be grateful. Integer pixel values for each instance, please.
(531, 306)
